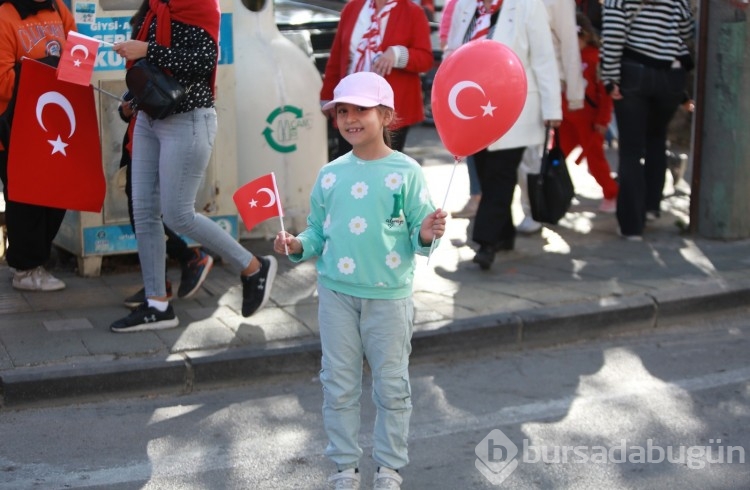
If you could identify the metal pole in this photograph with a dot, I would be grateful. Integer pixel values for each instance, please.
(700, 97)
(720, 209)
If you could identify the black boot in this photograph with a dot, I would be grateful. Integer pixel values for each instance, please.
(484, 257)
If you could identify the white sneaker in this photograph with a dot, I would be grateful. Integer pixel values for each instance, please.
(608, 206)
(652, 215)
(386, 479)
(37, 279)
(528, 225)
(345, 480)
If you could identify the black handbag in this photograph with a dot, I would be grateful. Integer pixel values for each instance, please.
(551, 190)
(154, 92)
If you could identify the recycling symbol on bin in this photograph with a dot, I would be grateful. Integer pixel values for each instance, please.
(283, 127)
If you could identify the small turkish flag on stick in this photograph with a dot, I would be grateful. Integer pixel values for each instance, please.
(78, 58)
(258, 201)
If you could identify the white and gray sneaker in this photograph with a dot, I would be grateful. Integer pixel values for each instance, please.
(386, 479)
(37, 279)
(528, 225)
(345, 480)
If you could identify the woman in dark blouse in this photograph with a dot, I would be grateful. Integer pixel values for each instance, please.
(170, 157)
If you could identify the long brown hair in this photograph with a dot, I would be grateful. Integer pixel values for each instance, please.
(586, 30)
(138, 16)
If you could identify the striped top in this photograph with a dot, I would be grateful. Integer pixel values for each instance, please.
(653, 32)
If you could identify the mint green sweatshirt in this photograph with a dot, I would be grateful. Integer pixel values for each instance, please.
(364, 225)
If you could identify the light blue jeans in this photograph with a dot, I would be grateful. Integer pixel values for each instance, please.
(170, 157)
(352, 328)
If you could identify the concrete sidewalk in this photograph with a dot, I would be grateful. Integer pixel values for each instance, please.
(572, 281)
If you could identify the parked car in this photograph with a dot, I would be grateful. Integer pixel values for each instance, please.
(312, 25)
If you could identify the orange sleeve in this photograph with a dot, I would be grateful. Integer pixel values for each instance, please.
(69, 22)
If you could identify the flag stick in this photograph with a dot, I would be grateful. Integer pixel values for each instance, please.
(92, 38)
(445, 199)
(107, 93)
(278, 207)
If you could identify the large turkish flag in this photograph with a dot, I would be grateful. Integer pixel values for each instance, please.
(55, 156)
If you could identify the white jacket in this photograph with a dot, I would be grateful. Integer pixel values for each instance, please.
(562, 19)
(523, 26)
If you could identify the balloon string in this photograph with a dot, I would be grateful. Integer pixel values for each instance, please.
(445, 200)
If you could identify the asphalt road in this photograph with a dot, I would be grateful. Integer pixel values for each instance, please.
(648, 411)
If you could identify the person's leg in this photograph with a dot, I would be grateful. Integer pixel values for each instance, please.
(341, 375)
(146, 203)
(177, 248)
(631, 112)
(139, 297)
(182, 165)
(598, 165)
(668, 93)
(498, 175)
(386, 327)
(129, 192)
(195, 264)
(398, 138)
(530, 164)
(475, 192)
(475, 189)
(568, 134)
(30, 232)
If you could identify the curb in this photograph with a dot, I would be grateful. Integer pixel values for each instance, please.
(182, 373)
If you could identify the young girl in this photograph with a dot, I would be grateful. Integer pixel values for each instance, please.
(370, 213)
(587, 127)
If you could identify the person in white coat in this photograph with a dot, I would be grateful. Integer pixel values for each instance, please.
(522, 25)
(562, 19)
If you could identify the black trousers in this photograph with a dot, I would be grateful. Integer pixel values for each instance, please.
(31, 228)
(650, 98)
(498, 174)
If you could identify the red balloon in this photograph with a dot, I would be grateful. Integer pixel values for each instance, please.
(477, 95)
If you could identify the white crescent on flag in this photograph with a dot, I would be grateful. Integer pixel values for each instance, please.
(58, 99)
(271, 196)
(80, 47)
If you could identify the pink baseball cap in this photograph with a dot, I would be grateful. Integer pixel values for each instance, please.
(363, 89)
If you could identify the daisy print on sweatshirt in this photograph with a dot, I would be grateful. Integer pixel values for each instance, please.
(359, 190)
(393, 260)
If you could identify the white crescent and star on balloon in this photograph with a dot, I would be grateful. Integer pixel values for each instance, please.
(58, 99)
(271, 198)
(487, 109)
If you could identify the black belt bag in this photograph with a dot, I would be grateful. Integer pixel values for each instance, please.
(154, 92)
